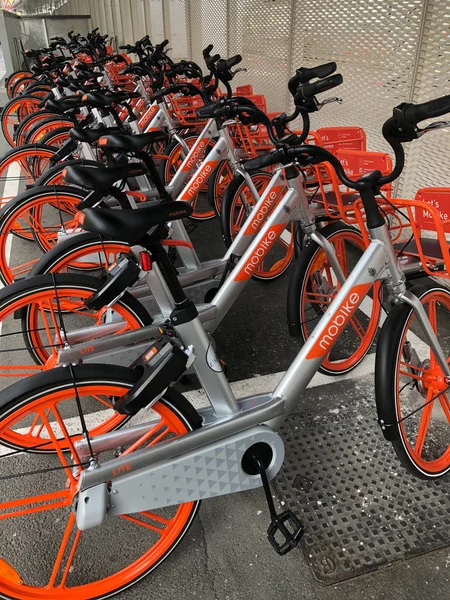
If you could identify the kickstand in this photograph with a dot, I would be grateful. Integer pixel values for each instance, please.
(279, 522)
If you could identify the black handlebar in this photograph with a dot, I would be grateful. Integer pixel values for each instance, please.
(304, 75)
(414, 113)
(309, 90)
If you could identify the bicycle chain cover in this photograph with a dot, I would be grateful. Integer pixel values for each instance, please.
(162, 365)
(119, 277)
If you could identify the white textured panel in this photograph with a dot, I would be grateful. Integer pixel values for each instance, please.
(428, 159)
(156, 21)
(208, 20)
(374, 46)
(260, 31)
(178, 29)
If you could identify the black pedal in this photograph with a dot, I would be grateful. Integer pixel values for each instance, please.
(287, 527)
(285, 530)
(119, 277)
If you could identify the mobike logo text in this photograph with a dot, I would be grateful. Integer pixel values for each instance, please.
(195, 185)
(258, 216)
(339, 321)
(196, 153)
(261, 250)
(148, 116)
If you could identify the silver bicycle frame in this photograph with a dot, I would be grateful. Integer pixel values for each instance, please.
(231, 416)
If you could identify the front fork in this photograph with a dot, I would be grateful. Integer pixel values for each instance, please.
(396, 281)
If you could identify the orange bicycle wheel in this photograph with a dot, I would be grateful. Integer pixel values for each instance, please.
(314, 285)
(14, 111)
(412, 393)
(13, 79)
(44, 213)
(84, 252)
(65, 564)
(237, 206)
(39, 315)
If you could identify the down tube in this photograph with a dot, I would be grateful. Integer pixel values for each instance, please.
(296, 379)
(248, 263)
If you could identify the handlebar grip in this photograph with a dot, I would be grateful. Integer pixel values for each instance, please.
(233, 61)
(414, 113)
(309, 90)
(304, 75)
(266, 160)
(207, 51)
(163, 44)
(321, 71)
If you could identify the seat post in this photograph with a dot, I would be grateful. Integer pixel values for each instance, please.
(153, 171)
(168, 272)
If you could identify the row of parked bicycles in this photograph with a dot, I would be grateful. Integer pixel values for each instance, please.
(112, 164)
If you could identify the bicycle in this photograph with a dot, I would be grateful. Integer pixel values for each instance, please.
(229, 447)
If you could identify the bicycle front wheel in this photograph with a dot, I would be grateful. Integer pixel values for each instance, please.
(37, 512)
(314, 285)
(412, 394)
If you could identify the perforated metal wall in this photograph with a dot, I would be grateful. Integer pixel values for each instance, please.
(388, 51)
(262, 32)
(428, 161)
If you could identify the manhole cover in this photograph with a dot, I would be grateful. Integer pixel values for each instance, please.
(359, 507)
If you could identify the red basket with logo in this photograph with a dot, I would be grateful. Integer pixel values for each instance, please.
(342, 138)
(419, 228)
(337, 199)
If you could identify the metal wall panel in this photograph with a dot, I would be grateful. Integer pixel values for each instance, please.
(156, 32)
(260, 31)
(176, 12)
(428, 159)
(208, 19)
(388, 52)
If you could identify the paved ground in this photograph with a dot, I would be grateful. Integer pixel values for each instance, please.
(226, 555)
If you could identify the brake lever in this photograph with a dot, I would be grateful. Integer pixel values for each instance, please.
(328, 101)
(240, 70)
(432, 127)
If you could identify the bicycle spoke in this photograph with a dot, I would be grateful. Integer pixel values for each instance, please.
(143, 439)
(62, 551)
(445, 403)
(53, 500)
(160, 530)
(57, 447)
(424, 422)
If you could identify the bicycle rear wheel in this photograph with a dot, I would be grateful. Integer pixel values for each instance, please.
(412, 395)
(38, 313)
(67, 563)
(40, 213)
(16, 110)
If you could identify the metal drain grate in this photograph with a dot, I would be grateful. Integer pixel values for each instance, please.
(360, 509)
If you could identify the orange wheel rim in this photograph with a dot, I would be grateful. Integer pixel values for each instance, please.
(75, 259)
(68, 539)
(28, 221)
(430, 380)
(321, 300)
(43, 335)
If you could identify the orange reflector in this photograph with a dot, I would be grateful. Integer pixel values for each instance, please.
(7, 572)
(64, 173)
(84, 98)
(103, 141)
